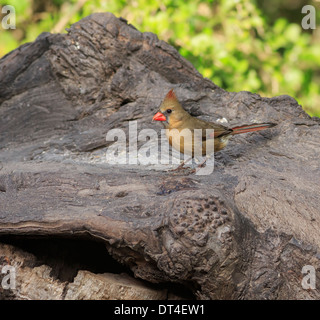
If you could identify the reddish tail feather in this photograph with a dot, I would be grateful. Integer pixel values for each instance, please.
(251, 128)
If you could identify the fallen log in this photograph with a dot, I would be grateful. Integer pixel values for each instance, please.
(243, 232)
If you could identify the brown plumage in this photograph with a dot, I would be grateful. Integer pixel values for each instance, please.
(173, 116)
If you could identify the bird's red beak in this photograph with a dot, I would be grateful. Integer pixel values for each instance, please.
(159, 117)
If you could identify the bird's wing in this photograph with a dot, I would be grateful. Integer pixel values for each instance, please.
(210, 130)
(219, 132)
(215, 131)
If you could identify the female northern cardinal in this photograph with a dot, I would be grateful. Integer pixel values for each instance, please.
(175, 117)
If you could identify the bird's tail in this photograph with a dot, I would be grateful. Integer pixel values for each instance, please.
(251, 128)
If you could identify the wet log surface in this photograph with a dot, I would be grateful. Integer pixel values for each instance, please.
(243, 232)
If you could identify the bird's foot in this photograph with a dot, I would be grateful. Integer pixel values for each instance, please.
(180, 167)
(202, 164)
(183, 171)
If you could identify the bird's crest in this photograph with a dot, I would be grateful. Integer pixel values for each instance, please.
(171, 101)
(170, 95)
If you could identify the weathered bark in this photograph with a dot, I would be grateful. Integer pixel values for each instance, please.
(243, 232)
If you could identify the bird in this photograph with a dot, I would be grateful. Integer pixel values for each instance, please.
(213, 137)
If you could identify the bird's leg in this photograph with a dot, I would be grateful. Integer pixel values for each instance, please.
(181, 165)
(202, 163)
(206, 166)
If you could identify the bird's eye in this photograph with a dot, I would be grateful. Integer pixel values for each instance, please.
(169, 111)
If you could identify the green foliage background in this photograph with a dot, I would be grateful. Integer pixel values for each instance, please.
(252, 45)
